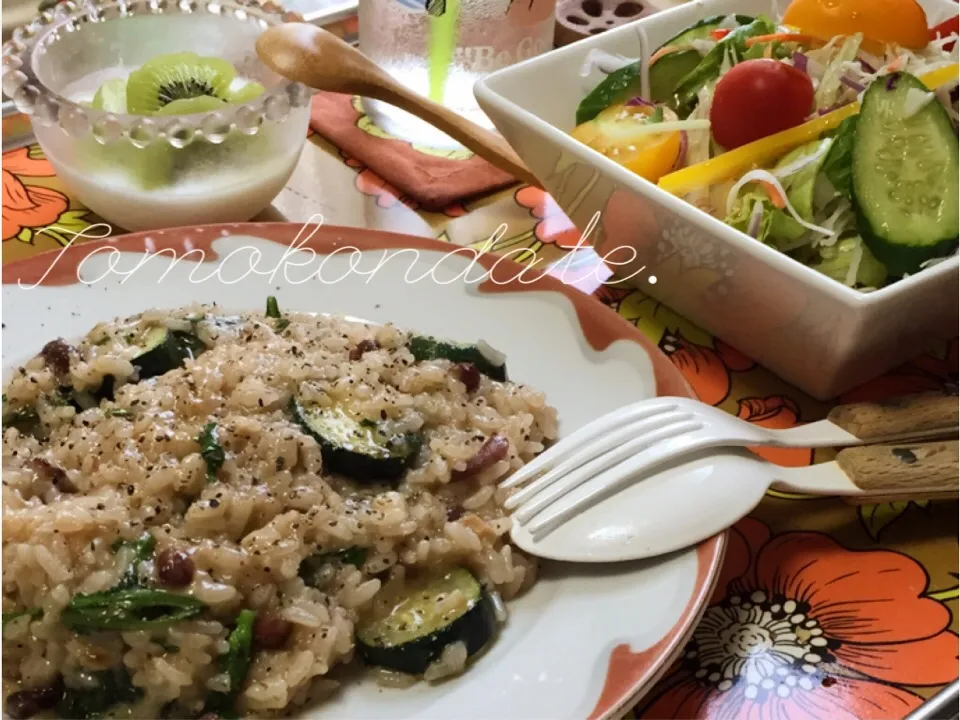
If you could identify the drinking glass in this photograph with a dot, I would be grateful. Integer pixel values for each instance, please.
(440, 48)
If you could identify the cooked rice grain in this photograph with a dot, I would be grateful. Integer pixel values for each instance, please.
(134, 465)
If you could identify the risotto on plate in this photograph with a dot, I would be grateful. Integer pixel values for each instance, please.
(205, 513)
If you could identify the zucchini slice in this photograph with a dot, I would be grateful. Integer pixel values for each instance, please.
(425, 347)
(162, 350)
(905, 174)
(415, 632)
(358, 449)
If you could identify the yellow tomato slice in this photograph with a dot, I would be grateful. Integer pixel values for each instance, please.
(882, 22)
(624, 135)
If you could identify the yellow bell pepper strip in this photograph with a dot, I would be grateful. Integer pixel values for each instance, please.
(768, 149)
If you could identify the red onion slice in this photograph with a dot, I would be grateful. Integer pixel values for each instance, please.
(756, 217)
(852, 84)
(638, 101)
(682, 152)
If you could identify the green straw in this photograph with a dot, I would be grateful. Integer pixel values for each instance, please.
(443, 41)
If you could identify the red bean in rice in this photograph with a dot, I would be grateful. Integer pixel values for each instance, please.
(133, 465)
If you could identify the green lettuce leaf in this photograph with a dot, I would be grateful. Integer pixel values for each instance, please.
(837, 165)
(800, 185)
(777, 228)
(835, 261)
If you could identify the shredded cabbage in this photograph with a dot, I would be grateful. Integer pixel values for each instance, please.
(702, 45)
(916, 101)
(644, 62)
(768, 177)
(837, 217)
(828, 89)
(852, 263)
(776, 228)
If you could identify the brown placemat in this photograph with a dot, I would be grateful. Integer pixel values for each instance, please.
(435, 178)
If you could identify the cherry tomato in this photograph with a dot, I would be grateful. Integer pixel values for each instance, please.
(621, 132)
(758, 98)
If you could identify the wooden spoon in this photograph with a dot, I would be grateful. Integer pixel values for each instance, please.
(310, 55)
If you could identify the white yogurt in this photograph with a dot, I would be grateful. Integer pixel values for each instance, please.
(233, 189)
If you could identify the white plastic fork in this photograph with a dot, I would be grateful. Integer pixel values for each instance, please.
(701, 494)
(633, 440)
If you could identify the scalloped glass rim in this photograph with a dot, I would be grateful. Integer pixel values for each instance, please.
(43, 105)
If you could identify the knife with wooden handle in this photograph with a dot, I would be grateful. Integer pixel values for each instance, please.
(881, 473)
(909, 416)
(897, 471)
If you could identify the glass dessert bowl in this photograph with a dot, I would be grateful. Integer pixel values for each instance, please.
(158, 113)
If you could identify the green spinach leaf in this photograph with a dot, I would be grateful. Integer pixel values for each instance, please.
(139, 550)
(114, 687)
(211, 451)
(124, 608)
(235, 663)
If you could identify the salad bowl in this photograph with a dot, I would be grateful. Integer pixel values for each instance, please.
(815, 332)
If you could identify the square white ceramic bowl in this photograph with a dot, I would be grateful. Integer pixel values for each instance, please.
(814, 332)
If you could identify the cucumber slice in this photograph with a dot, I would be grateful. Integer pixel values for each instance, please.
(905, 175)
(615, 88)
(414, 633)
(665, 74)
(162, 350)
(424, 347)
(356, 448)
(702, 29)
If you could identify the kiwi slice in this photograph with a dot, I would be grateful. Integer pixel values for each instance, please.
(190, 106)
(112, 96)
(241, 91)
(147, 168)
(180, 76)
(178, 84)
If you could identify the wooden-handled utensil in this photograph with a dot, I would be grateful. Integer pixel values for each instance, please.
(626, 471)
(684, 503)
(308, 54)
(907, 416)
(898, 471)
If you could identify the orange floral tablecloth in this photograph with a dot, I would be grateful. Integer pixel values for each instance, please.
(823, 610)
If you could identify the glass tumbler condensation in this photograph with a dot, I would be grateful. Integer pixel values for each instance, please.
(440, 48)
